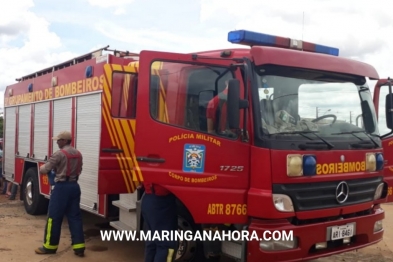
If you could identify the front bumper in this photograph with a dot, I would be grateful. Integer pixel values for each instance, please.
(309, 235)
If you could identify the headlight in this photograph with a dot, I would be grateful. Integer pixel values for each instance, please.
(283, 203)
(378, 191)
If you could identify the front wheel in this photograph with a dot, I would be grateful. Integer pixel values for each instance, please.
(189, 250)
(34, 202)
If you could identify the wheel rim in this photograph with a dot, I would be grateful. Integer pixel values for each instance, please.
(186, 249)
(29, 192)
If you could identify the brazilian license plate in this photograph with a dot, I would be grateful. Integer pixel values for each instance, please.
(340, 232)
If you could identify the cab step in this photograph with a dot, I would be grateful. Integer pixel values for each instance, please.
(120, 226)
(128, 219)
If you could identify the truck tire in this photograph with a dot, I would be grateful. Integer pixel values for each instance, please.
(34, 202)
(188, 250)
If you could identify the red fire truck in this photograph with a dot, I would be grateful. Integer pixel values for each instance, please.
(286, 158)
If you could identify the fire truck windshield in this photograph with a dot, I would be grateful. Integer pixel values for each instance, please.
(296, 103)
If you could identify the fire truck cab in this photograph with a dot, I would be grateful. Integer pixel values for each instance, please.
(259, 138)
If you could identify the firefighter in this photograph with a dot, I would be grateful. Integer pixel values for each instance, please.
(65, 197)
(160, 214)
(216, 112)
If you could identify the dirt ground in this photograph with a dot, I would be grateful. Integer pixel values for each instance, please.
(21, 233)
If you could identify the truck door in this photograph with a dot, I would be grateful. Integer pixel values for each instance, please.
(173, 147)
(380, 92)
(117, 175)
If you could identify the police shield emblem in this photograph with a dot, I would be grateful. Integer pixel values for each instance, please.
(194, 158)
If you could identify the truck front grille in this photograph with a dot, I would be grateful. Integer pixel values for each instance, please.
(320, 195)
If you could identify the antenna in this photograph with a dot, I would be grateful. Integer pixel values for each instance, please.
(303, 26)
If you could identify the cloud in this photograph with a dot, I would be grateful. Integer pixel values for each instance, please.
(112, 3)
(33, 37)
(12, 20)
(13, 28)
(152, 38)
(29, 45)
(119, 5)
(358, 30)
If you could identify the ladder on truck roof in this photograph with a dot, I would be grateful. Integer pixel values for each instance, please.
(74, 61)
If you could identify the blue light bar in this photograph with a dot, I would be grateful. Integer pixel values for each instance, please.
(250, 38)
(320, 49)
(326, 50)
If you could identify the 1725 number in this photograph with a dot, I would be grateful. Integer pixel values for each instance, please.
(232, 168)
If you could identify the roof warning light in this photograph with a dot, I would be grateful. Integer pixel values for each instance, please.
(250, 38)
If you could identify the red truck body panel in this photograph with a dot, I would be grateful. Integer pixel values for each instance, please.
(134, 120)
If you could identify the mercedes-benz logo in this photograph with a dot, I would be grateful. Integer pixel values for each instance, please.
(342, 192)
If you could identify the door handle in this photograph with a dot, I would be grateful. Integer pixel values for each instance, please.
(150, 159)
(112, 150)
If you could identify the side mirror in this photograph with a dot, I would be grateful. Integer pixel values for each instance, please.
(368, 121)
(234, 104)
(388, 111)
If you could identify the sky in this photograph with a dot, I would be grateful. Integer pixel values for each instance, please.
(35, 34)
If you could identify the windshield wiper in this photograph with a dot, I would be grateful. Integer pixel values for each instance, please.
(302, 133)
(359, 131)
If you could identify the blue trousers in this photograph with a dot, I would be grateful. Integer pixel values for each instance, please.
(64, 200)
(160, 213)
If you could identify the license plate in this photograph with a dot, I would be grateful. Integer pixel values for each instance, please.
(340, 232)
